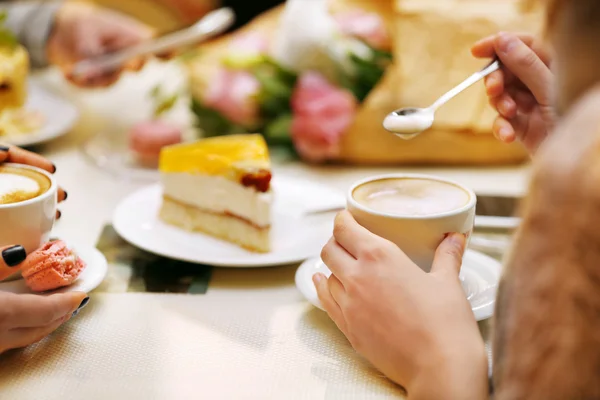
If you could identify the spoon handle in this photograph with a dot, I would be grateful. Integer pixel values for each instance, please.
(477, 76)
(210, 25)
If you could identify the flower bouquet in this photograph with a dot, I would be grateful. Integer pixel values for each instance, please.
(300, 88)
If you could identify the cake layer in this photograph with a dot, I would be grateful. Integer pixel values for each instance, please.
(226, 227)
(219, 195)
(241, 158)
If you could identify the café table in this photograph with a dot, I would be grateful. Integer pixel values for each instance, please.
(164, 329)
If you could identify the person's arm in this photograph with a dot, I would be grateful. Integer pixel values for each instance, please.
(31, 22)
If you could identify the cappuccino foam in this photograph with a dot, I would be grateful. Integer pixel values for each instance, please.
(20, 184)
(411, 196)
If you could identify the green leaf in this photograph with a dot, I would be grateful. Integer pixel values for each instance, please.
(366, 72)
(211, 122)
(156, 92)
(165, 105)
(7, 38)
(278, 130)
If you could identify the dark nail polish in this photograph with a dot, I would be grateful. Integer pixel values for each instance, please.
(58, 214)
(14, 256)
(53, 168)
(84, 303)
(4, 148)
(66, 195)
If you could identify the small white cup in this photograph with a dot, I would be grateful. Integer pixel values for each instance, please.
(417, 236)
(29, 223)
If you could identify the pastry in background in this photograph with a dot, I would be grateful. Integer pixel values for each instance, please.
(52, 266)
(14, 69)
(147, 138)
(220, 186)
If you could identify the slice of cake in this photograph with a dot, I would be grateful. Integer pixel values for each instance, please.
(219, 186)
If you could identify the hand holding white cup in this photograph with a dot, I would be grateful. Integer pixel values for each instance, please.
(415, 212)
(29, 195)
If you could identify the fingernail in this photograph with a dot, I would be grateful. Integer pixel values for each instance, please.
(504, 134)
(14, 256)
(506, 42)
(505, 105)
(457, 238)
(53, 168)
(66, 195)
(84, 303)
(317, 278)
(4, 148)
(58, 214)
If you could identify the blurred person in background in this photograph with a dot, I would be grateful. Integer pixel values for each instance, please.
(62, 33)
(418, 328)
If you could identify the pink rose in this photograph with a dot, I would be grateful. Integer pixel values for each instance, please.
(233, 94)
(321, 115)
(366, 26)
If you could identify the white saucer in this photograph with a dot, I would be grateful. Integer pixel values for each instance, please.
(295, 236)
(479, 274)
(59, 117)
(91, 277)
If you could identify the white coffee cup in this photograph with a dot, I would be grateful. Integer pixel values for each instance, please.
(418, 236)
(29, 223)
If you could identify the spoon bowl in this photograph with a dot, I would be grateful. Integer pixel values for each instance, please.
(407, 123)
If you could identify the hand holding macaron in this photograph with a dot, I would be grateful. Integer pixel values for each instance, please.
(26, 318)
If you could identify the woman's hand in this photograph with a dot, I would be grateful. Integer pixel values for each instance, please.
(26, 318)
(416, 327)
(12, 154)
(520, 91)
(82, 31)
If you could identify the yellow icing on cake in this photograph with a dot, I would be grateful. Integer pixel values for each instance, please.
(227, 156)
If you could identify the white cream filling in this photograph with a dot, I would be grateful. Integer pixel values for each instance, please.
(219, 195)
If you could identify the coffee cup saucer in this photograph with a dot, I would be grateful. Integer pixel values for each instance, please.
(479, 276)
(91, 277)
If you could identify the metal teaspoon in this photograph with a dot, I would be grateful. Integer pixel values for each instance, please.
(407, 123)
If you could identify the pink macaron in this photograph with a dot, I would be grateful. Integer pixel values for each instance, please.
(52, 266)
(147, 138)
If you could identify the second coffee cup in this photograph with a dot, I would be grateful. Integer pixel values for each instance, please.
(413, 211)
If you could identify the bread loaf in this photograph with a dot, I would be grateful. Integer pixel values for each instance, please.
(432, 41)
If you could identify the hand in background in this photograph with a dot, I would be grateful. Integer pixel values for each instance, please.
(415, 327)
(27, 318)
(521, 90)
(83, 31)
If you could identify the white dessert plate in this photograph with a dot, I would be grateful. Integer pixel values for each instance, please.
(295, 235)
(91, 277)
(479, 275)
(59, 117)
